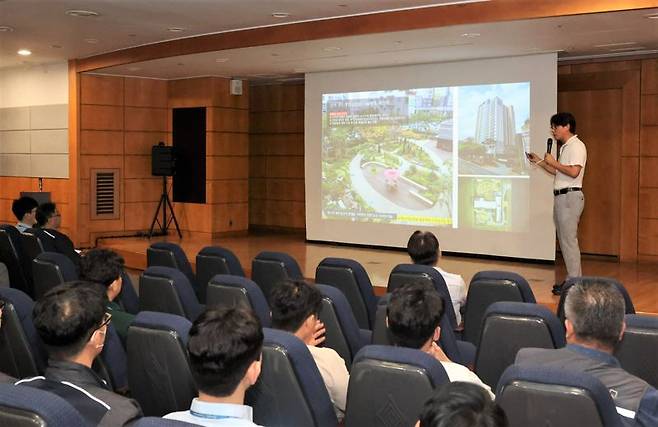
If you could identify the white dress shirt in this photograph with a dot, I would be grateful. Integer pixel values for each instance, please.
(334, 373)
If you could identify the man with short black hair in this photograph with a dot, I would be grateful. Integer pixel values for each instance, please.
(25, 211)
(296, 308)
(104, 266)
(71, 322)
(461, 404)
(225, 346)
(423, 248)
(413, 315)
(594, 322)
(48, 222)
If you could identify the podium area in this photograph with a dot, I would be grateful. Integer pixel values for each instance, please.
(640, 279)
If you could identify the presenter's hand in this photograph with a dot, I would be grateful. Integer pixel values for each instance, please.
(532, 157)
(550, 160)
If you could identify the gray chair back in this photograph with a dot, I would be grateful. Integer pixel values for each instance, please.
(637, 350)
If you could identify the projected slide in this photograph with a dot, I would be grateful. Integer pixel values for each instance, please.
(436, 156)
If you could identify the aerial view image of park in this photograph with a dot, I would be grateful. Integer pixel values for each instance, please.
(387, 156)
(494, 128)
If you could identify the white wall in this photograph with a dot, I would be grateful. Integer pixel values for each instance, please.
(34, 85)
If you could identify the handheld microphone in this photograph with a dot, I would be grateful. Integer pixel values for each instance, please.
(549, 145)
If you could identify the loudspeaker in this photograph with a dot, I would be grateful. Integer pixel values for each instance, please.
(236, 87)
(163, 161)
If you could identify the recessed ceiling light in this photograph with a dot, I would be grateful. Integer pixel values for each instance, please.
(180, 64)
(627, 49)
(132, 35)
(652, 16)
(471, 35)
(280, 15)
(81, 13)
(175, 29)
(91, 40)
(24, 52)
(331, 49)
(615, 44)
(221, 60)
(6, 29)
(56, 46)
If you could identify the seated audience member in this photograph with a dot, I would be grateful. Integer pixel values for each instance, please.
(4, 378)
(25, 210)
(104, 266)
(413, 315)
(225, 347)
(461, 404)
(295, 308)
(72, 322)
(423, 248)
(48, 222)
(594, 322)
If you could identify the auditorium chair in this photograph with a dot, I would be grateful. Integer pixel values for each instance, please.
(31, 247)
(128, 298)
(389, 385)
(21, 352)
(289, 390)
(352, 280)
(22, 406)
(10, 256)
(410, 273)
(158, 369)
(167, 254)
(487, 287)
(112, 365)
(630, 308)
(167, 290)
(50, 269)
(508, 327)
(270, 268)
(542, 396)
(226, 290)
(461, 352)
(213, 260)
(637, 350)
(342, 331)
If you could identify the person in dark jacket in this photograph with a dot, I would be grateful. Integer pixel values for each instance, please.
(47, 229)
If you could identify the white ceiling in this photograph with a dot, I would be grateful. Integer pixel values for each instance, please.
(41, 25)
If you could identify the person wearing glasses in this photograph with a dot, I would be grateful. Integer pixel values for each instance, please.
(72, 322)
(4, 378)
(568, 170)
(47, 229)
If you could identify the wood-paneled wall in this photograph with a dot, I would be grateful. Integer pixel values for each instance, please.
(276, 173)
(648, 197)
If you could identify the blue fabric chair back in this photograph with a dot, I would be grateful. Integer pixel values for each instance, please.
(50, 269)
(509, 327)
(352, 280)
(537, 395)
(290, 390)
(227, 290)
(343, 333)
(21, 351)
(10, 255)
(167, 254)
(408, 273)
(167, 290)
(269, 268)
(213, 260)
(389, 385)
(630, 308)
(22, 406)
(637, 350)
(114, 359)
(487, 287)
(158, 369)
(128, 298)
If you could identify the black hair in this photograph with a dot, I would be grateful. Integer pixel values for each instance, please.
(563, 119)
(292, 302)
(462, 404)
(44, 212)
(102, 266)
(414, 311)
(67, 315)
(423, 247)
(223, 343)
(22, 206)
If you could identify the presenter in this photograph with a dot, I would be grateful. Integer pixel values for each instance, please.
(569, 202)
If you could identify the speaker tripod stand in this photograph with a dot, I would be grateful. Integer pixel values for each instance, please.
(165, 204)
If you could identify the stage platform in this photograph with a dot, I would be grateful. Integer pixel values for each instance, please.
(641, 279)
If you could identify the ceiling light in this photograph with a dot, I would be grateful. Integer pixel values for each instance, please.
(280, 15)
(341, 5)
(652, 16)
(331, 49)
(175, 29)
(221, 60)
(6, 29)
(56, 46)
(180, 64)
(471, 35)
(24, 52)
(615, 44)
(81, 13)
(132, 35)
(91, 41)
(627, 49)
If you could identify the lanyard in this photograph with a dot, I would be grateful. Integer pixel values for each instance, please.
(212, 416)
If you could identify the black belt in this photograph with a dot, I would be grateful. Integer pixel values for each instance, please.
(566, 190)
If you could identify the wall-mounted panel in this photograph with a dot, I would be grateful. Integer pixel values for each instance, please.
(48, 165)
(49, 116)
(15, 141)
(54, 141)
(14, 118)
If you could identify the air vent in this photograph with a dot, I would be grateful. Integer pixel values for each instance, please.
(105, 194)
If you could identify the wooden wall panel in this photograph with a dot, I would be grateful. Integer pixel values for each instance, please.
(140, 143)
(101, 142)
(648, 237)
(190, 92)
(103, 90)
(227, 144)
(142, 189)
(227, 120)
(649, 141)
(650, 110)
(650, 76)
(649, 172)
(146, 119)
(101, 117)
(146, 92)
(227, 168)
(648, 203)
